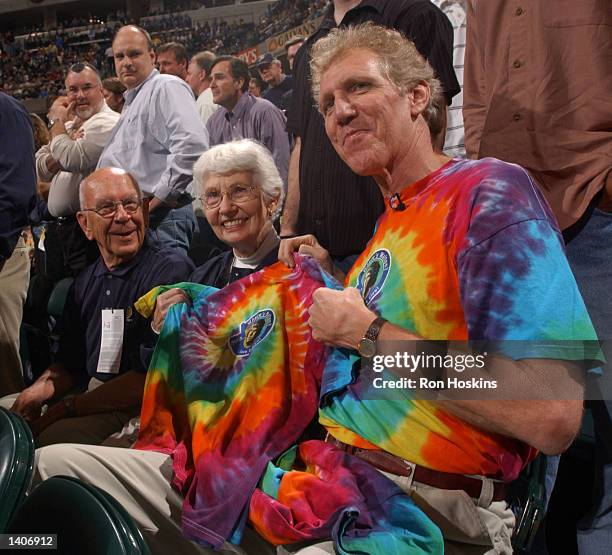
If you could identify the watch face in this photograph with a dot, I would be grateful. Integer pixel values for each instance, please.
(367, 348)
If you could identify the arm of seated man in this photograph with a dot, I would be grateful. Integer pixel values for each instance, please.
(54, 382)
(340, 318)
(121, 393)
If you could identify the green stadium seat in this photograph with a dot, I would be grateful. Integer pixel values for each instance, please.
(84, 519)
(129, 526)
(16, 464)
(57, 300)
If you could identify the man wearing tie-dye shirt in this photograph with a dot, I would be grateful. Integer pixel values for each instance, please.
(465, 250)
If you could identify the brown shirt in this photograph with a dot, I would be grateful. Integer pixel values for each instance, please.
(538, 92)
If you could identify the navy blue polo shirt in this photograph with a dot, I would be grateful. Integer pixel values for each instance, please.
(97, 288)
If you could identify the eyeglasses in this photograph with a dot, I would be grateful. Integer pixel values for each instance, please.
(109, 209)
(236, 193)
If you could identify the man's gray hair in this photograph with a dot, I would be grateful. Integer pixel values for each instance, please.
(399, 60)
(78, 67)
(204, 61)
(244, 155)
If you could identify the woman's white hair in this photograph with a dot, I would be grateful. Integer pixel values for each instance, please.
(244, 155)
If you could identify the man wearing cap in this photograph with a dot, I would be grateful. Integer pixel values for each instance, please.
(271, 71)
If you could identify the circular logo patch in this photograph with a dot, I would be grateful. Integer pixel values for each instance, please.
(252, 332)
(373, 275)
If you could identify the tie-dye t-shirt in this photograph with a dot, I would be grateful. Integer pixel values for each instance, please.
(235, 388)
(475, 254)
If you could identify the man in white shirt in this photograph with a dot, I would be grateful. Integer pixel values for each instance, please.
(81, 124)
(158, 138)
(198, 78)
(454, 145)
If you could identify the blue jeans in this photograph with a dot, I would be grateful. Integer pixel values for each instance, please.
(173, 227)
(590, 256)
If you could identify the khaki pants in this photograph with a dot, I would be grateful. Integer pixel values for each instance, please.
(140, 481)
(14, 280)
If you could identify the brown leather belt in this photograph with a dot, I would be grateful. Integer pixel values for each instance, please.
(443, 480)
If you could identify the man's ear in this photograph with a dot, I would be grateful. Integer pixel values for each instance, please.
(82, 218)
(419, 98)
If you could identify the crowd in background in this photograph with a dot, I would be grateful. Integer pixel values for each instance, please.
(32, 68)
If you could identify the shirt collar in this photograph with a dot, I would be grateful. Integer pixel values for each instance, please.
(125, 268)
(130, 94)
(241, 106)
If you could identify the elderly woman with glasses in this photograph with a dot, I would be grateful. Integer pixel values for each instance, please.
(241, 193)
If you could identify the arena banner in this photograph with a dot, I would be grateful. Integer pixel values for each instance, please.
(277, 42)
(249, 55)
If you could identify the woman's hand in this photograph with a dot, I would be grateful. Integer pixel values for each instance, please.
(339, 318)
(163, 303)
(305, 244)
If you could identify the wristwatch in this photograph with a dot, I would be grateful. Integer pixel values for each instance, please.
(69, 406)
(367, 344)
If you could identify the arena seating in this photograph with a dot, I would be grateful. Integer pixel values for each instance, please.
(33, 67)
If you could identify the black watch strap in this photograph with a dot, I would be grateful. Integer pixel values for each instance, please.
(367, 344)
(374, 329)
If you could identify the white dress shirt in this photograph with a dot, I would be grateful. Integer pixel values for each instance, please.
(78, 158)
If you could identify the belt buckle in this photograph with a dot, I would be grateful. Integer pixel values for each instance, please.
(410, 470)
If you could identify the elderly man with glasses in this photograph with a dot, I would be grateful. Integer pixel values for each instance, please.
(104, 344)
